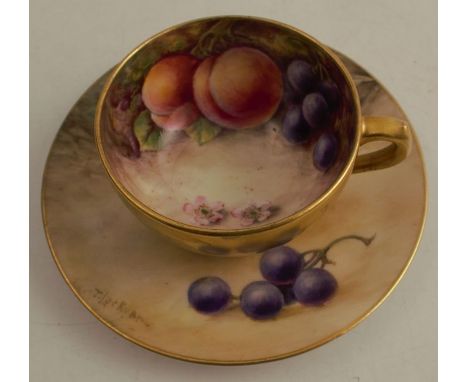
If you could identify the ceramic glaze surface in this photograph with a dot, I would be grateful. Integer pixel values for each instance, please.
(136, 282)
(228, 123)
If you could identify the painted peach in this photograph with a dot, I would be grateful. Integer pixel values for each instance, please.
(246, 82)
(203, 98)
(182, 117)
(168, 84)
(159, 120)
(239, 89)
(208, 106)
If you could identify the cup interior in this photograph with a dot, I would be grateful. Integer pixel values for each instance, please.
(227, 123)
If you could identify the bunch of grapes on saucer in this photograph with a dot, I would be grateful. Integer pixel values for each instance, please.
(289, 277)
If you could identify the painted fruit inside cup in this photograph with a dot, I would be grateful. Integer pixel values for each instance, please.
(168, 84)
(295, 128)
(315, 110)
(302, 76)
(325, 151)
(204, 100)
(330, 92)
(159, 120)
(182, 117)
(240, 88)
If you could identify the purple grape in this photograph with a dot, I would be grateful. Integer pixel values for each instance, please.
(330, 92)
(261, 300)
(325, 151)
(314, 286)
(288, 294)
(302, 76)
(281, 265)
(209, 295)
(291, 96)
(295, 128)
(315, 110)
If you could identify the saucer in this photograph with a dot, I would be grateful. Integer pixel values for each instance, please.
(136, 283)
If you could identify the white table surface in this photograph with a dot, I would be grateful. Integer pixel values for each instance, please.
(73, 42)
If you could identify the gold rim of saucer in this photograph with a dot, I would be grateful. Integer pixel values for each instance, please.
(325, 340)
(347, 170)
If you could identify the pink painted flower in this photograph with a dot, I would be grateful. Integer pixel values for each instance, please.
(204, 213)
(253, 213)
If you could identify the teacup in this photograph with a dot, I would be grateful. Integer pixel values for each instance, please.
(230, 135)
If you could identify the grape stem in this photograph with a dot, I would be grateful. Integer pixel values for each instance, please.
(320, 255)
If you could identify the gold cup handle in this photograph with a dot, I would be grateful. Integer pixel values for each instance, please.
(394, 131)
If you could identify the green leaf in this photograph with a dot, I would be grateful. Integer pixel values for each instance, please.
(203, 131)
(147, 133)
(179, 43)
